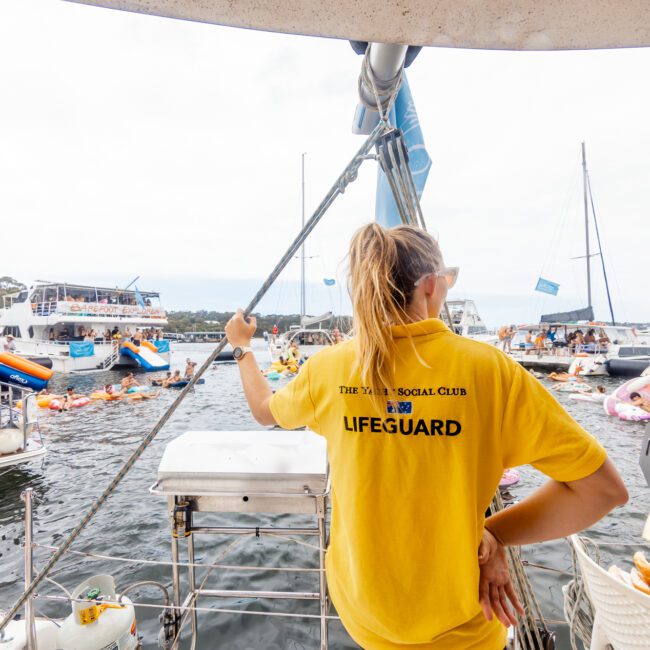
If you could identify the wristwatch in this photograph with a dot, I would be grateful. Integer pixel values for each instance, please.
(239, 352)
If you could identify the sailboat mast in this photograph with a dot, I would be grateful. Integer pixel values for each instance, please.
(587, 256)
(303, 308)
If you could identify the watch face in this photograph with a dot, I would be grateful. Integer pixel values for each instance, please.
(237, 353)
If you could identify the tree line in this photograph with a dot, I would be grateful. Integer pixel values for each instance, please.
(215, 321)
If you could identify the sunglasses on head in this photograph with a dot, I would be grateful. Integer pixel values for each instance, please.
(450, 273)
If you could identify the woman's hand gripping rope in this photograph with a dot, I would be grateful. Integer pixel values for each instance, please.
(495, 585)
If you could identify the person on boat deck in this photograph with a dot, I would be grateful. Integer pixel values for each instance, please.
(528, 343)
(52, 334)
(420, 425)
(540, 342)
(129, 381)
(9, 345)
(137, 337)
(189, 368)
(506, 339)
(640, 402)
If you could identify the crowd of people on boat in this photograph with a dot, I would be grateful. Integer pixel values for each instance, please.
(550, 340)
(84, 333)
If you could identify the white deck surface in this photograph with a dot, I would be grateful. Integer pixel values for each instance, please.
(256, 462)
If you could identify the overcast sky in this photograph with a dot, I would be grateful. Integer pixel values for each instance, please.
(133, 145)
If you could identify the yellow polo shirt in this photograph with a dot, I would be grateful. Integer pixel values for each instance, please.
(410, 485)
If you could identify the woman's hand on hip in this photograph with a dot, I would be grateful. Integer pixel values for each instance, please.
(495, 585)
(239, 331)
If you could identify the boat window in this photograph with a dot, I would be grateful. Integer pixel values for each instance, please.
(21, 297)
(11, 330)
(30, 331)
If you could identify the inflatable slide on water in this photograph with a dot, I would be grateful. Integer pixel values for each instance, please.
(146, 354)
(23, 372)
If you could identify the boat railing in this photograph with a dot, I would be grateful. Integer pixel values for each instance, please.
(105, 310)
(18, 409)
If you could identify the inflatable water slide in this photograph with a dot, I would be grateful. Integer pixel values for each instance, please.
(23, 372)
(146, 354)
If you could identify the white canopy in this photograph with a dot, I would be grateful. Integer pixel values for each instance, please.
(481, 24)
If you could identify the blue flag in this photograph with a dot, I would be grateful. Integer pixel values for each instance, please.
(546, 286)
(139, 298)
(329, 282)
(404, 116)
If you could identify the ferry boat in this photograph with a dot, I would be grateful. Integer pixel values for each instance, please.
(85, 328)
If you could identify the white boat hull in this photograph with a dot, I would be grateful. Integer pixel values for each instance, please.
(32, 451)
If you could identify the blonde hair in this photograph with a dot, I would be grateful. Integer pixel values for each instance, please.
(385, 264)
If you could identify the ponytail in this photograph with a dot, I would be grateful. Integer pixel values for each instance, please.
(385, 264)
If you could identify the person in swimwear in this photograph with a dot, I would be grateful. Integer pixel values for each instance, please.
(172, 380)
(420, 425)
(159, 381)
(189, 368)
(640, 402)
(129, 381)
(67, 398)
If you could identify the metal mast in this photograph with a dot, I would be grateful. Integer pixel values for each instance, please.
(303, 308)
(585, 190)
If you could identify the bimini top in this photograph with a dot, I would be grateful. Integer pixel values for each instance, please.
(483, 24)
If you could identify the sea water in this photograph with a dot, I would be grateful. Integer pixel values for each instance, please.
(87, 446)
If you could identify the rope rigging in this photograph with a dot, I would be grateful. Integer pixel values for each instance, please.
(348, 175)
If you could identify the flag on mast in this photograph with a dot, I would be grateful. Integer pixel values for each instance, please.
(546, 286)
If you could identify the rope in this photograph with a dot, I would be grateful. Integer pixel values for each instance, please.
(578, 610)
(385, 98)
(532, 627)
(346, 177)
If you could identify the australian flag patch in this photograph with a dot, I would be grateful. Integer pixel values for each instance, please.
(401, 408)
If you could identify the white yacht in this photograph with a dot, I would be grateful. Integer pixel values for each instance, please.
(466, 321)
(617, 350)
(70, 324)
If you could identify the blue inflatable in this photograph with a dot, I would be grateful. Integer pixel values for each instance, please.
(19, 378)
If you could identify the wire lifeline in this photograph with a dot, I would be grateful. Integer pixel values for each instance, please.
(186, 565)
(334, 191)
(180, 608)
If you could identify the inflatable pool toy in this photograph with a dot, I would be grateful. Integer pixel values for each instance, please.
(22, 372)
(43, 401)
(620, 404)
(573, 387)
(183, 382)
(138, 389)
(273, 375)
(510, 477)
(56, 404)
(588, 397)
(588, 365)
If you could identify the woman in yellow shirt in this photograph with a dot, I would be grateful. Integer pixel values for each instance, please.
(420, 424)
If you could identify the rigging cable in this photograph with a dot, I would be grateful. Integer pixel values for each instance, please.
(600, 250)
(348, 175)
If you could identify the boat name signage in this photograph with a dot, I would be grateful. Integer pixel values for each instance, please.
(102, 309)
